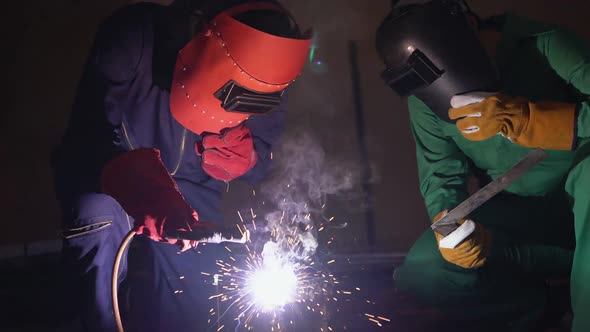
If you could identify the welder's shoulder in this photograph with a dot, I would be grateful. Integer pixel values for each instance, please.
(425, 124)
(563, 44)
(120, 41)
(419, 112)
(517, 28)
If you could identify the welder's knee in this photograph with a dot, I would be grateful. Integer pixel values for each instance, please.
(94, 227)
(488, 294)
(578, 187)
(93, 213)
(578, 180)
(427, 275)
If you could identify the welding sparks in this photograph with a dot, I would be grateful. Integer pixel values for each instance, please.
(273, 286)
(376, 322)
(266, 282)
(256, 286)
(264, 285)
(240, 229)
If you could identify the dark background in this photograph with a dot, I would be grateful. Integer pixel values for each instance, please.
(45, 46)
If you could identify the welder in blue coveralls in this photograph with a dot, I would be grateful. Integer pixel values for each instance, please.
(174, 102)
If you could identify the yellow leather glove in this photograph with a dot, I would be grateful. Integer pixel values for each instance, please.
(471, 252)
(548, 125)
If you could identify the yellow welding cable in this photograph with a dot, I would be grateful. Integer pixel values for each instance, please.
(115, 277)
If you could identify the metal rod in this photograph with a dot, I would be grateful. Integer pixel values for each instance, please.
(362, 137)
(448, 223)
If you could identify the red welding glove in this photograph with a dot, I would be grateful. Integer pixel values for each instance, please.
(140, 182)
(228, 155)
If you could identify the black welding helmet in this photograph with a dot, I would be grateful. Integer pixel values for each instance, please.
(433, 52)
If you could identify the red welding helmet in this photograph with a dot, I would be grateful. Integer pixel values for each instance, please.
(230, 71)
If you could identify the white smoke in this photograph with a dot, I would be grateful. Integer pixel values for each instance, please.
(303, 180)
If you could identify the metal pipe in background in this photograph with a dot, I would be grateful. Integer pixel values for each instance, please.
(363, 150)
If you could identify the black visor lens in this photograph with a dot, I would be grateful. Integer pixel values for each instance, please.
(403, 83)
(416, 73)
(235, 98)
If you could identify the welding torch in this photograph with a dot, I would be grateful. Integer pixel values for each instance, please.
(215, 234)
(218, 234)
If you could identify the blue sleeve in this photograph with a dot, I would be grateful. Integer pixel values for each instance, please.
(92, 135)
(266, 130)
(118, 44)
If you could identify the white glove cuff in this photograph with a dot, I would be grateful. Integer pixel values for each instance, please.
(457, 236)
(470, 98)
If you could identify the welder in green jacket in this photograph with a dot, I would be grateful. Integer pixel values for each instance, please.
(481, 95)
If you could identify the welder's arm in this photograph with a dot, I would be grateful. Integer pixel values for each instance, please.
(543, 124)
(442, 172)
(569, 56)
(442, 167)
(243, 151)
(140, 182)
(93, 134)
(266, 131)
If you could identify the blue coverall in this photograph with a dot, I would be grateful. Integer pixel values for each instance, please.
(122, 103)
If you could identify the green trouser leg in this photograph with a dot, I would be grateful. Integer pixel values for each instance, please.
(578, 186)
(508, 293)
(496, 301)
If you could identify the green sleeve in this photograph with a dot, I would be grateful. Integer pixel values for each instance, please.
(442, 167)
(569, 56)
